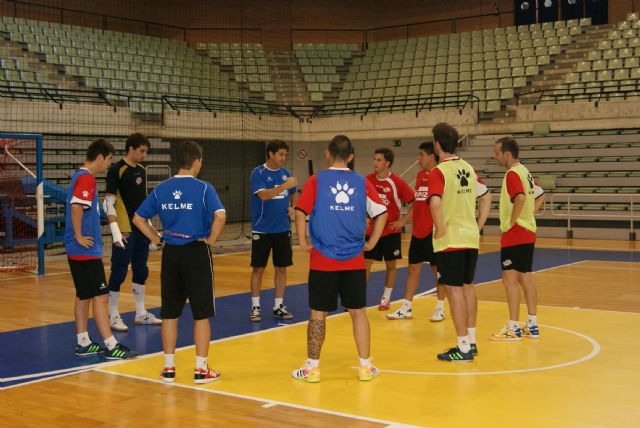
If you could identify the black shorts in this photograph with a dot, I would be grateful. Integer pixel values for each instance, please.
(262, 244)
(421, 250)
(388, 247)
(457, 267)
(325, 287)
(88, 278)
(187, 273)
(517, 257)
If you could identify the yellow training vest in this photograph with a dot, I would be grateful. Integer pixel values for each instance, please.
(458, 206)
(526, 218)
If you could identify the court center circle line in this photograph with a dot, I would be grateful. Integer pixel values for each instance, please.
(595, 351)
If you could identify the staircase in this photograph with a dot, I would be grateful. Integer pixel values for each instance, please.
(287, 79)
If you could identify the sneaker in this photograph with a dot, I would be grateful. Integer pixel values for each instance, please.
(255, 314)
(507, 335)
(474, 349)
(117, 324)
(120, 352)
(205, 375)
(368, 373)
(307, 374)
(437, 315)
(168, 374)
(530, 332)
(384, 305)
(282, 313)
(456, 355)
(91, 349)
(400, 314)
(148, 319)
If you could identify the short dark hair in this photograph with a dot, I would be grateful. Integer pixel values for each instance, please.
(274, 145)
(340, 147)
(508, 144)
(99, 147)
(136, 140)
(387, 153)
(447, 136)
(188, 152)
(429, 149)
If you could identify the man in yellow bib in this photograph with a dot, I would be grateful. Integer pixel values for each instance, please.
(453, 189)
(520, 197)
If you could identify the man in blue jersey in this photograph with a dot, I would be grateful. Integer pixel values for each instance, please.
(192, 218)
(273, 192)
(83, 242)
(338, 202)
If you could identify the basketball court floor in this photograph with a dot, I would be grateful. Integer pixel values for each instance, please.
(583, 371)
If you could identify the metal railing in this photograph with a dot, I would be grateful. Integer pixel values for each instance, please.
(590, 198)
(590, 91)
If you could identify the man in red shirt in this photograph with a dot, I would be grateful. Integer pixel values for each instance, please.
(421, 247)
(393, 191)
(520, 197)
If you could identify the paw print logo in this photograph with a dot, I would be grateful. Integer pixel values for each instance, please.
(530, 180)
(342, 192)
(177, 194)
(85, 194)
(463, 176)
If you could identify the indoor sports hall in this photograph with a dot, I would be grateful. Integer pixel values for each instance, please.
(560, 77)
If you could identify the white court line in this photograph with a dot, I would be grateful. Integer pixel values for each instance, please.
(594, 351)
(67, 373)
(268, 402)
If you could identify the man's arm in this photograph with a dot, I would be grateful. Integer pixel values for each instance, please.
(109, 206)
(301, 231)
(484, 206)
(378, 228)
(435, 205)
(539, 201)
(76, 221)
(266, 194)
(404, 219)
(145, 227)
(219, 219)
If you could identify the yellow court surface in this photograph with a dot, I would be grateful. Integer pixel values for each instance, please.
(582, 372)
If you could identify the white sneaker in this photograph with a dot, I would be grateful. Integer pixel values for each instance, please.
(148, 319)
(400, 314)
(117, 324)
(437, 315)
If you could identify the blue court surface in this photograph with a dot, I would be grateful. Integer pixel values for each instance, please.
(41, 352)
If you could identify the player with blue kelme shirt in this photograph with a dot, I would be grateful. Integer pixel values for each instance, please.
(83, 242)
(192, 218)
(273, 191)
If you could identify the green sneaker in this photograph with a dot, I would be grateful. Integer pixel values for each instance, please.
(455, 355)
(120, 352)
(91, 349)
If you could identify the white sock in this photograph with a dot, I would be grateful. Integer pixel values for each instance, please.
(312, 363)
(110, 342)
(255, 301)
(201, 362)
(406, 304)
(463, 344)
(83, 339)
(138, 295)
(514, 325)
(365, 362)
(440, 305)
(169, 360)
(472, 334)
(113, 302)
(387, 293)
(533, 320)
(278, 302)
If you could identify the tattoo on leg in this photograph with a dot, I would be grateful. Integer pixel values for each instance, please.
(315, 337)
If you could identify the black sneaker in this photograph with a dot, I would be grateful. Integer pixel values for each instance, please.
(255, 314)
(474, 349)
(91, 349)
(455, 355)
(120, 352)
(282, 313)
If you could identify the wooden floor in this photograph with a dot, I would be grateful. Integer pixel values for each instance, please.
(130, 394)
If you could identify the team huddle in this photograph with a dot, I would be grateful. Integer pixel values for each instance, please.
(343, 220)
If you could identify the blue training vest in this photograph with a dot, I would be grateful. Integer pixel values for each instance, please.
(90, 224)
(337, 222)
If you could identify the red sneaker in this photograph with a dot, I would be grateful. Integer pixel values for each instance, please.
(168, 374)
(205, 375)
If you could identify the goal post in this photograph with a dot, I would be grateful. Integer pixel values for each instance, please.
(21, 167)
